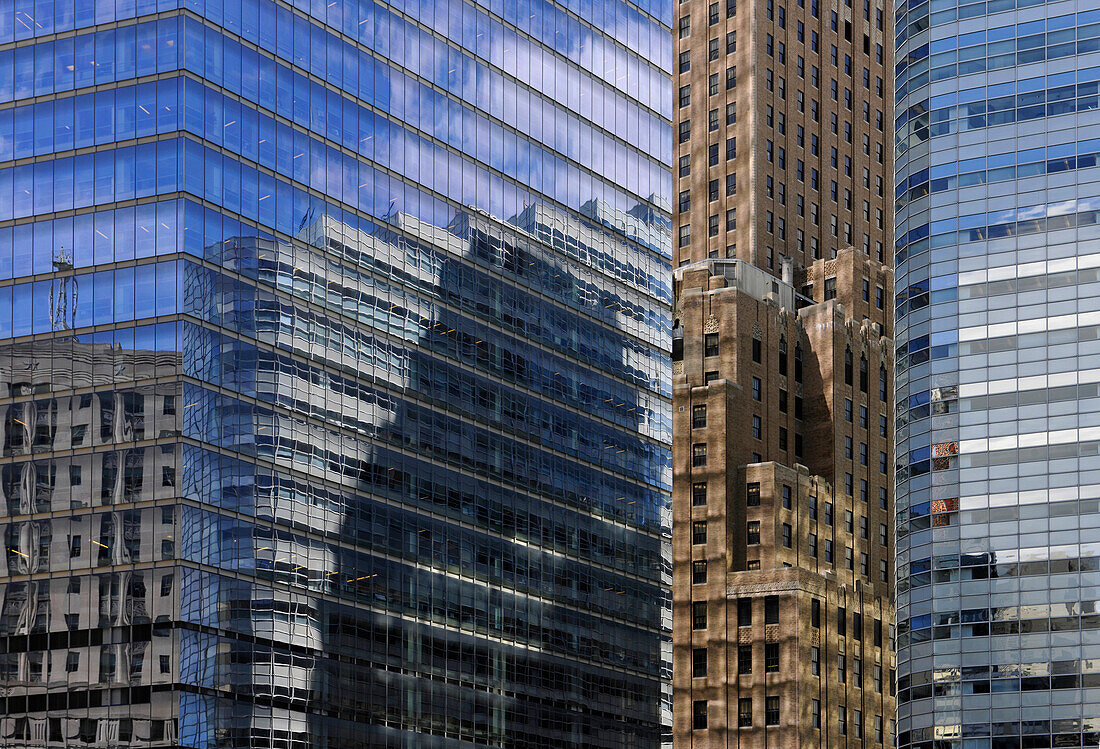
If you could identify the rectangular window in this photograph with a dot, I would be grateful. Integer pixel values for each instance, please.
(828, 513)
(752, 494)
(857, 723)
(699, 494)
(813, 508)
(699, 715)
(771, 711)
(752, 533)
(699, 454)
(699, 532)
(815, 713)
(744, 712)
(787, 535)
(698, 663)
(877, 636)
(756, 389)
(815, 613)
(771, 610)
(771, 658)
(744, 659)
(842, 621)
(699, 572)
(699, 615)
(842, 668)
(842, 720)
(698, 416)
(786, 497)
(815, 660)
(757, 427)
(813, 545)
(744, 612)
(710, 344)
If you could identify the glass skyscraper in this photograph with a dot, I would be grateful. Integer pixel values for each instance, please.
(335, 373)
(998, 344)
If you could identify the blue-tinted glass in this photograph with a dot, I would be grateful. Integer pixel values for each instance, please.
(998, 477)
(334, 373)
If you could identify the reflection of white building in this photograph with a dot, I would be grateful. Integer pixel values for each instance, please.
(63, 457)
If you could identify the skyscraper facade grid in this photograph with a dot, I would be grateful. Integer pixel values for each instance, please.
(335, 373)
(998, 501)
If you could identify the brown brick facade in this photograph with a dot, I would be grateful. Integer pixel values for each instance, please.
(787, 502)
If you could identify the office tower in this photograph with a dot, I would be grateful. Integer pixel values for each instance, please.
(335, 374)
(997, 311)
(782, 385)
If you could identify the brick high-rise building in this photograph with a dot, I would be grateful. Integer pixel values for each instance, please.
(783, 568)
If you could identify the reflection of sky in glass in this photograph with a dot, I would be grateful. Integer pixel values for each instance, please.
(996, 392)
(412, 361)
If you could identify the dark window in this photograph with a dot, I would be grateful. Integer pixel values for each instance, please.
(752, 533)
(798, 364)
(782, 355)
(787, 535)
(699, 494)
(744, 612)
(699, 532)
(771, 610)
(771, 658)
(709, 377)
(857, 625)
(744, 659)
(756, 350)
(786, 497)
(815, 660)
(699, 615)
(847, 366)
(771, 711)
(699, 454)
(699, 572)
(710, 344)
(815, 613)
(698, 663)
(878, 633)
(841, 621)
(698, 416)
(744, 712)
(752, 494)
(699, 715)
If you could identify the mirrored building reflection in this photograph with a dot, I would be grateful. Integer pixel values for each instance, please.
(335, 374)
(998, 499)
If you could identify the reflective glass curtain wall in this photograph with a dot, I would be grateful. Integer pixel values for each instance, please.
(335, 373)
(998, 335)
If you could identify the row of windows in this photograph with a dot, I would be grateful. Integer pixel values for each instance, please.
(699, 719)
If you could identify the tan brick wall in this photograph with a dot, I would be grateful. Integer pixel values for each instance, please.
(711, 303)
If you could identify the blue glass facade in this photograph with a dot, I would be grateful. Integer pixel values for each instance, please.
(998, 296)
(334, 373)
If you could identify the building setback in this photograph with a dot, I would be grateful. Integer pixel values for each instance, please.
(998, 333)
(783, 387)
(335, 392)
